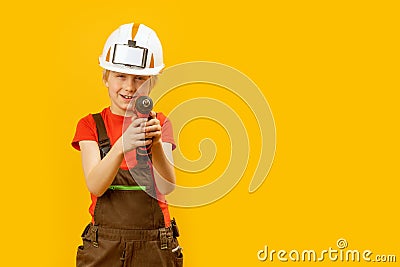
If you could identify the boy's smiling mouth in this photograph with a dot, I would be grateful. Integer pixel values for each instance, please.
(126, 96)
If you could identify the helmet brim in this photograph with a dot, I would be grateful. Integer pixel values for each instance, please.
(130, 69)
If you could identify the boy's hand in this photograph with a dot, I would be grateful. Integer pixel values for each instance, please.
(153, 128)
(134, 135)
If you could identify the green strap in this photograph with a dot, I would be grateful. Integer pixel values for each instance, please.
(127, 187)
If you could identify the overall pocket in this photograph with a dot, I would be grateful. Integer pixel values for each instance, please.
(98, 253)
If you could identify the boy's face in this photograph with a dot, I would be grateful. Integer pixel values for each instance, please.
(122, 88)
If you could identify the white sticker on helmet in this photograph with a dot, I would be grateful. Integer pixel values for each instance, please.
(129, 56)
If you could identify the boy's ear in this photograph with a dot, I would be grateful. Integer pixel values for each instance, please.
(106, 75)
(105, 82)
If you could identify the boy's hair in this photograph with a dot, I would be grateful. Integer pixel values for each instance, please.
(106, 73)
(153, 78)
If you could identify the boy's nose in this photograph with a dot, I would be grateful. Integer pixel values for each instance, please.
(130, 85)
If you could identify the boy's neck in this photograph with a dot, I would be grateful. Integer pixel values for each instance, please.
(124, 114)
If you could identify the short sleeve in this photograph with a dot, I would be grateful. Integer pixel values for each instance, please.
(85, 130)
(167, 132)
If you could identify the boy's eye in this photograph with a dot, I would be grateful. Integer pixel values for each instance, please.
(142, 78)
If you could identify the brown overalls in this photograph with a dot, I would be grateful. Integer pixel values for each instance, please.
(129, 228)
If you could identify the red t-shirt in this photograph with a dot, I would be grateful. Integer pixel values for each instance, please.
(86, 130)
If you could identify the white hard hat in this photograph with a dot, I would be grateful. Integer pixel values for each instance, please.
(133, 49)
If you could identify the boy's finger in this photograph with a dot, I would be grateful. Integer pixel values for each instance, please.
(139, 122)
(134, 117)
(153, 122)
(152, 128)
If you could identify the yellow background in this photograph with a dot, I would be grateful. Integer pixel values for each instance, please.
(329, 70)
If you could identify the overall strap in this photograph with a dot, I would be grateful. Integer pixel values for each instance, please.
(104, 140)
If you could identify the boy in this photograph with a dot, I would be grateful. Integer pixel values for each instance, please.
(130, 219)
